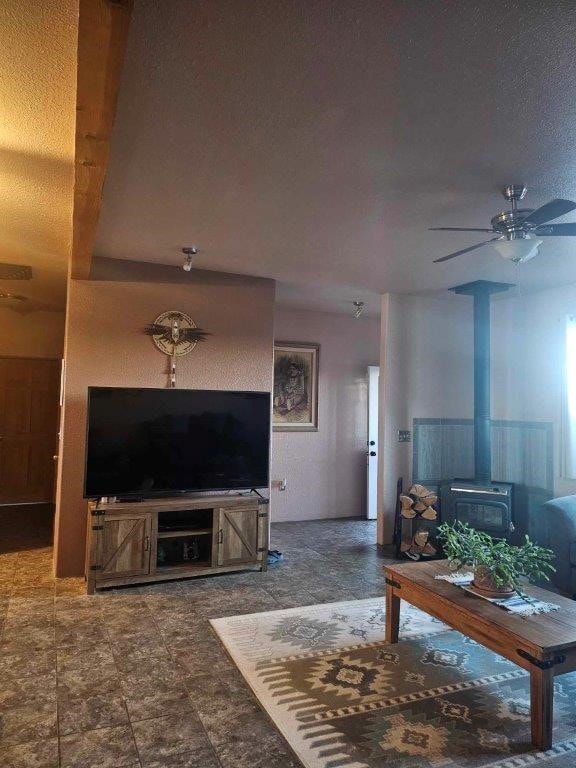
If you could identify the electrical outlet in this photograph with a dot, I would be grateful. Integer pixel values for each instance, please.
(404, 436)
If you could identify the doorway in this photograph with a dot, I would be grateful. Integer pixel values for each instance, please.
(29, 415)
(372, 447)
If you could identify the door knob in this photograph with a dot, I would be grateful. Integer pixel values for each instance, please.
(370, 453)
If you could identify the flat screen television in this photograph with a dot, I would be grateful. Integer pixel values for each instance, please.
(147, 442)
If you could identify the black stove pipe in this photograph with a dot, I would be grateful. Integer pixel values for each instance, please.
(481, 290)
(482, 369)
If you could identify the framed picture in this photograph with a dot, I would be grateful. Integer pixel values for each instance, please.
(295, 399)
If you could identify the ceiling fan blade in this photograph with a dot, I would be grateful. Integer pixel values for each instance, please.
(457, 229)
(550, 211)
(465, 250)
(556, 230)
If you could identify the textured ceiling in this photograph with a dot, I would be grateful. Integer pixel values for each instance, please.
(315, 142)
(37, 94)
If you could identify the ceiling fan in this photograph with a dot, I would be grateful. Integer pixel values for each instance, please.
(519, 224)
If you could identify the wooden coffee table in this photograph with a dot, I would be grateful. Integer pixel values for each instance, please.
(544, 644)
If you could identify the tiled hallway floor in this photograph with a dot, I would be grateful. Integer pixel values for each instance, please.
(135, 677)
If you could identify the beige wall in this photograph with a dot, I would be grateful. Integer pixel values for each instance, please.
(36, 334)
(425, 344)
(105, 346)
(326, 470)
(427, 372)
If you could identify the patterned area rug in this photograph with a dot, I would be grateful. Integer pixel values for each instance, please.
(345, 699)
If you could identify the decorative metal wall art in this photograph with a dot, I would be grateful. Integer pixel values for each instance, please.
(175, 334)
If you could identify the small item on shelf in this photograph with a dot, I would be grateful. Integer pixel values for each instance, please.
(183, 550)
(190, 550)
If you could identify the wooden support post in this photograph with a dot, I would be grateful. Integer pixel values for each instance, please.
(102, 35)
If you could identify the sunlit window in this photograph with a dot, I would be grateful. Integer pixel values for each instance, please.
(570, 421)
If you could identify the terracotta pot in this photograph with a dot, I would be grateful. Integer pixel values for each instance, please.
(484, 583)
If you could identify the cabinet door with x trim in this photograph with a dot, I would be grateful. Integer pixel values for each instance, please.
(241, 533)
(123, 545)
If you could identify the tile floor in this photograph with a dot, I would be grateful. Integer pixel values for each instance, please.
(135, 677)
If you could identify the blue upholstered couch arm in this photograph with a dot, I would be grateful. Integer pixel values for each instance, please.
(558, 532)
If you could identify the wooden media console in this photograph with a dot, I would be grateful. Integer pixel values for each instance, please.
(177, 538)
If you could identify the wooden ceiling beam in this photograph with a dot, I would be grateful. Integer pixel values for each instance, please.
(102, 35)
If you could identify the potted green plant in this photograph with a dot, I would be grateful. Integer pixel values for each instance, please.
(498, 566)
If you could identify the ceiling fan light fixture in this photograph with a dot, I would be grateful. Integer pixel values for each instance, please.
(518, 250)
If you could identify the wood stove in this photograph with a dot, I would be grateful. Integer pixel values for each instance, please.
(480, 502)
(485, 507)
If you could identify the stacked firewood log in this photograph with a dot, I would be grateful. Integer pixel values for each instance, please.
(419, 504)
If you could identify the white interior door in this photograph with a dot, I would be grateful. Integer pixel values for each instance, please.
(372, 443)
